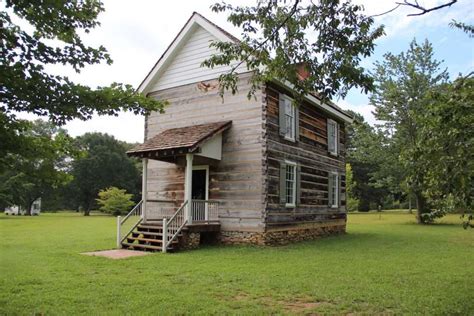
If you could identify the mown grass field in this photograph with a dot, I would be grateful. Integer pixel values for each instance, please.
(386, 264)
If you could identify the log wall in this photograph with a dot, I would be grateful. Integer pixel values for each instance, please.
(236, 180)
(311, 153)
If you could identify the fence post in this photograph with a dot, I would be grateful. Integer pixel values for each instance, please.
(119, 241)
(206, 210)
(165, 235)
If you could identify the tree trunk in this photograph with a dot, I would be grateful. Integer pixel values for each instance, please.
(421, 207)
(87, 212)
(28, 208)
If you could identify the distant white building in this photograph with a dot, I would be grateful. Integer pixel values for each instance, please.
(17, 210)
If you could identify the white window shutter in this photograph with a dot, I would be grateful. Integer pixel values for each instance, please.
(330, 139)
(281, 113)
(282, 182)
(330, 188)
(297, 123)
(298, 185)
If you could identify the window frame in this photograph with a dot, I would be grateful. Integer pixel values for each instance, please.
(336, 136)
(293, 165)
(335, 190)
(292, 107)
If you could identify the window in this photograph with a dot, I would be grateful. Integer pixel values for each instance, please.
(333, 189)
(288, 118)
(290, 184)
(332, 131)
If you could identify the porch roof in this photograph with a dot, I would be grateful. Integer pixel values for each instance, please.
(178, 141)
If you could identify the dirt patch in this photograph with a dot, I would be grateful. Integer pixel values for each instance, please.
(297, 305)
(242, 297)
(300, 306)
(116, 253)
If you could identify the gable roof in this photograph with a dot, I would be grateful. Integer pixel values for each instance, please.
(180, 140)
(195, 19)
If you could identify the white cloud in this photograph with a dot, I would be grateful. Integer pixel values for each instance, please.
(364, 109)
(136, 33)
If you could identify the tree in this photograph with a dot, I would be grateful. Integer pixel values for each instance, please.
(115, 201)
(38, 171)
(372, 164)
(352, 201)
(448, 136)
(328, 38)
(51, 38)
(102, 164)
(400, 99)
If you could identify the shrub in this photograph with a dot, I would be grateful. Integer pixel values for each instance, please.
(114, 201)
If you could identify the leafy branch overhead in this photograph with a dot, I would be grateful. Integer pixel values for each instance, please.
(328, 38)
(26, 86)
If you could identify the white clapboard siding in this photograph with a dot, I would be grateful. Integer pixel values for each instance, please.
(185, 66)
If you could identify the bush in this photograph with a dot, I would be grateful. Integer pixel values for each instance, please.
(115, 201)
(352, 204)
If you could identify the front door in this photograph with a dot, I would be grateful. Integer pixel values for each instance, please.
(199, 194)
(199, 184)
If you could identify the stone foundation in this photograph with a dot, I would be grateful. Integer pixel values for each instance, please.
(283, 235)
(189, 240)
(275, 236)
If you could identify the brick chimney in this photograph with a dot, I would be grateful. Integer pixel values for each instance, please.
(302, 71)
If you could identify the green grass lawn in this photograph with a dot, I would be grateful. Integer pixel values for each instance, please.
(384, 264)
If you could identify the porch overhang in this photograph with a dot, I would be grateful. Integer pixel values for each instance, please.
(202, 140)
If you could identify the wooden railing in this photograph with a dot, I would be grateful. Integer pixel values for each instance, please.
(128, 223)
(172, 226)
(205, 210)
(156, 210)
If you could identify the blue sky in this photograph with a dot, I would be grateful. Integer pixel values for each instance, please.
(450, 45)
(137, 32)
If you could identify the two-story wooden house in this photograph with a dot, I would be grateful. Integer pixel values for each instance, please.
(233, 170)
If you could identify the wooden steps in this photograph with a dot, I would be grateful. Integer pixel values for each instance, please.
(143, 247)
(148, 237)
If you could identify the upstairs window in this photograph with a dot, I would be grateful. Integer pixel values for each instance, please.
(333, 190)
(288, 118)
(332, 132)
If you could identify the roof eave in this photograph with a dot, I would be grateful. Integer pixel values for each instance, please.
(329, 107)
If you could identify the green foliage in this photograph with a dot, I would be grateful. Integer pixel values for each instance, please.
(39, 170)
(280, 36)
(379, 255)
(466, 28)
(115, 201)
(352, 201)
(401, 99)
(371, 164)
(448, 136)
(52, 38)
(102, 164)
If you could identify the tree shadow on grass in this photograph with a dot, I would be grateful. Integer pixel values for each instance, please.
(434, 225)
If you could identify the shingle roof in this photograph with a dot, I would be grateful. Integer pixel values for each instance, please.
(186, 138)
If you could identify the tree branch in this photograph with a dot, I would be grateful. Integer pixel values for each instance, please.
(386, 12)
(424, 10)
(290, 14)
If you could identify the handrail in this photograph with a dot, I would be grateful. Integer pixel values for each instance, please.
(205, 210)
(136, 211)
(173, 226)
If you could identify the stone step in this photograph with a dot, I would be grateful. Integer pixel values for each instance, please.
(144, 240)
(141, 246)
